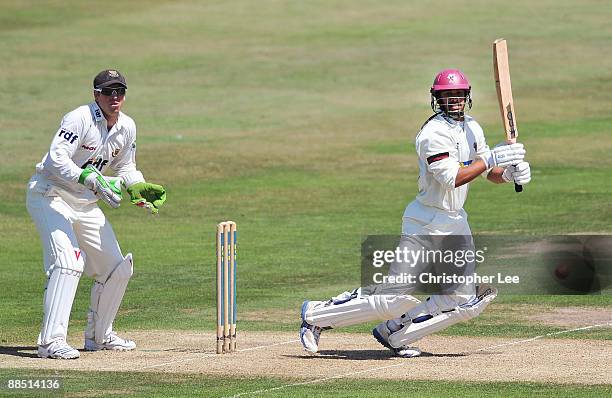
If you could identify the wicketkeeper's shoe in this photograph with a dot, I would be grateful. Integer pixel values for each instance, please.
(381, 334)
(309, 334)
(58, 349)
(112, 342)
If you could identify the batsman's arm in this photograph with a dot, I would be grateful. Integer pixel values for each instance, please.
(469, 173)
(495, 175)
(496, 159)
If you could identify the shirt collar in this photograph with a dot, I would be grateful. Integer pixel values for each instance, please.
(96, 112)
(452, 122)
(98, 115)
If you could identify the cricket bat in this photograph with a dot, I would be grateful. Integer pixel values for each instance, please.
(501, 70)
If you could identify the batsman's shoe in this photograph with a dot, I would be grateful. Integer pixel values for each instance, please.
(309, 334)
(113, 342)
(58, 349)
(381, 334)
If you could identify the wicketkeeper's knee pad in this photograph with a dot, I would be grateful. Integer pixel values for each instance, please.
(360, 309)
(106, 298)
(426, 324)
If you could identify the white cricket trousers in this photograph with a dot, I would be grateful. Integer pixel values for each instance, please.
(75, 238)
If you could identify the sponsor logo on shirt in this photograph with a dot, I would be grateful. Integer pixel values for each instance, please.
(89, 148)
(68, 136)
(98, 163)
(115, 152)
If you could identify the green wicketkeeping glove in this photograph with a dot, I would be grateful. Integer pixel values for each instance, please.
(148, 196)
(108, 189)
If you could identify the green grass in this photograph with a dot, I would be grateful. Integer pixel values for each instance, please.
(297, 120)
(115, 384)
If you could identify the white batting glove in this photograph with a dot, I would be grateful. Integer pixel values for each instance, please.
(504, 155)
(107, 189)
(519, 174)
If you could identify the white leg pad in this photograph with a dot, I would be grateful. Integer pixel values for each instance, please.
(360, 309)
(105, 300)
(425, 325)
(59, 295)
(438, 304)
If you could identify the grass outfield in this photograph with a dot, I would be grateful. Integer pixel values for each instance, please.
(115, 384)
(297, 121)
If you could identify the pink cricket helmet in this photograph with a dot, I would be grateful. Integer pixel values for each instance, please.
(450, 79)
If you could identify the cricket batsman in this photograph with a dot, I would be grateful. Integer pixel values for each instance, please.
(452, 152)
(92, 141)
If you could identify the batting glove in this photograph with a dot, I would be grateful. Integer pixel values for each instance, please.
(519, 174)
(108, 189)
(504, 155)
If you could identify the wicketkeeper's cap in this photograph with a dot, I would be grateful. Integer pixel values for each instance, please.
(109, 77)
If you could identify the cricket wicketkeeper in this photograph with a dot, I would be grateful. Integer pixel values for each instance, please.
(452, 151)
(92, 140)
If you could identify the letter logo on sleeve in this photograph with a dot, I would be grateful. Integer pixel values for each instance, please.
(68, 136)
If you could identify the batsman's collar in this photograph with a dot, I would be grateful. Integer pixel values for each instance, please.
(108, 77)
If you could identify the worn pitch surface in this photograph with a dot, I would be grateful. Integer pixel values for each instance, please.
(346, 355)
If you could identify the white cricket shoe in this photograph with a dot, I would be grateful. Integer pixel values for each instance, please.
(381, 334)
(309, 334)
(112, 342)
(58, 349)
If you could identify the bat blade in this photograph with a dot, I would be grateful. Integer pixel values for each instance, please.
(501, 71)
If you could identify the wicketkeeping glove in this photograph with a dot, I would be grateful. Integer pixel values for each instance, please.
(148, 196)
(108, 189)
(504, 155)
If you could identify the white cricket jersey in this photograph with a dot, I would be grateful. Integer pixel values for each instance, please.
(83, 139)
(443, 146)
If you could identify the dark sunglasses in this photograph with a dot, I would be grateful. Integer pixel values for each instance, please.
(111, 92)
